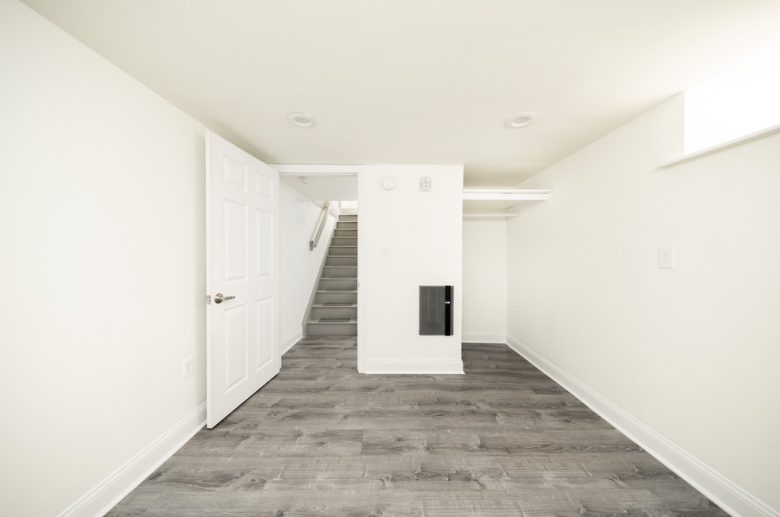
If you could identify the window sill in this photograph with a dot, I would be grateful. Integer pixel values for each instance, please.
(724, 145)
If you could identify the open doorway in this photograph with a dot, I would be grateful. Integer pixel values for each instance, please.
(321, 253)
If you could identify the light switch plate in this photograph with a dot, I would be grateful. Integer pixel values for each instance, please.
(666, 257)
(425, 183)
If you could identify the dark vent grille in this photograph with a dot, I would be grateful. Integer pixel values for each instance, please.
(436, 310)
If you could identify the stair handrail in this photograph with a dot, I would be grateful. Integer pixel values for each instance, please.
(316, 238)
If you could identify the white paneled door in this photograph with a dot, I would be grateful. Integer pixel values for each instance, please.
(242, 279)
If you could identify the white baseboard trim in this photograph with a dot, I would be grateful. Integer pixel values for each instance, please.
(414, 367)
(106, 494)
(483, 337)
(290, 342)
(726, 494)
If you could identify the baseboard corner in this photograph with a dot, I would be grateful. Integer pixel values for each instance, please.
(483, 337)
(292, 340)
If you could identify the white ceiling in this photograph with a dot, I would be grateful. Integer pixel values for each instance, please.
(417, 81)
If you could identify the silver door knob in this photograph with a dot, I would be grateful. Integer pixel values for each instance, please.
(218, 298)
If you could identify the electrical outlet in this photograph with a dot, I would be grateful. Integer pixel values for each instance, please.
(187, 367)
(666, 257)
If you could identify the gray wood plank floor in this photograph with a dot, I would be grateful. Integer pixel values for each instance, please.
(322, 440)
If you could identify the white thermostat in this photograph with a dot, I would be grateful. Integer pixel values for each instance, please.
(388, 183)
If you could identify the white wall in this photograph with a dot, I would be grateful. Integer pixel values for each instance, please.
(102, 259)
(692, 352)
(484, 280)
(299, 265)
(424, 233)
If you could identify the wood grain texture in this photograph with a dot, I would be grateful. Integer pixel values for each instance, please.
(322, 440)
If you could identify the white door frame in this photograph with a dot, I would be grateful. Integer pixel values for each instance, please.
(343, 170)
(362, 342)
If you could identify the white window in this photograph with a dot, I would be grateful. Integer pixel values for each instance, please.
(740, 102)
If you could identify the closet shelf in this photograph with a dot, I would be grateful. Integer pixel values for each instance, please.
(497, 194)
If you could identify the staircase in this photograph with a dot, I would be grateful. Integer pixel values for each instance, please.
(334, 310)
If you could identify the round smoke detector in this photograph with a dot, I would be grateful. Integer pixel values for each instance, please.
(301, 119)
(520, 120)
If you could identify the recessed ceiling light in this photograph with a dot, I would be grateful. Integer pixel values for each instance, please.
(301, 119)
(520, 120)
